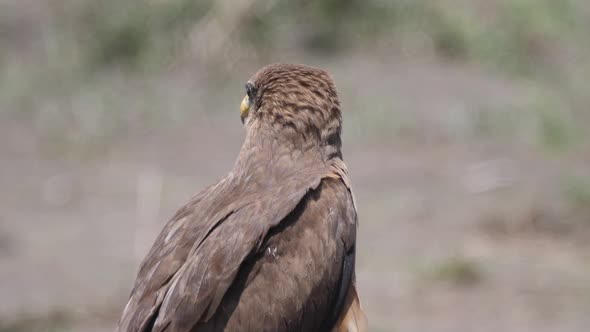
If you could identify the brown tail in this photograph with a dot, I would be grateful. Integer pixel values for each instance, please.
(352, 318)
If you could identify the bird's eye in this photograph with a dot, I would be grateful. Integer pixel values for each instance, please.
(250, 90)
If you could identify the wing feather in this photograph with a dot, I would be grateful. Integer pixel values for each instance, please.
(305, 286)
(185, 276)
(211, 269)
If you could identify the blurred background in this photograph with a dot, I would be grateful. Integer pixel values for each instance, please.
(465, 132)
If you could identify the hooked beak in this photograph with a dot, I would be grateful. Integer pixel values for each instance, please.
(244, 108)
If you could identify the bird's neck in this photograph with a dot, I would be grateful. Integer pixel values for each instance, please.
(267, 153)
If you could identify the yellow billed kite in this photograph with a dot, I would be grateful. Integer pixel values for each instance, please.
(271, 247)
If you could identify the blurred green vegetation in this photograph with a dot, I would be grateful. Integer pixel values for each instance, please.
(513, 35)
(457, 271)
(577, 191)
(53, 322)
(70, 51)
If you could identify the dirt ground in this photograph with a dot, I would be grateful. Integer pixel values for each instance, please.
(459, 232)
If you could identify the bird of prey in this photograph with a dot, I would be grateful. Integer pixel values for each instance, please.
(270, 247)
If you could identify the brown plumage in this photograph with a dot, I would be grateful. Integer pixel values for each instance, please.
(271, 246)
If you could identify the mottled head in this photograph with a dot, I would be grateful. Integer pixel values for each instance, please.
(297, 100)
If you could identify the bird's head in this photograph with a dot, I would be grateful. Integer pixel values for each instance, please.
(296, 99)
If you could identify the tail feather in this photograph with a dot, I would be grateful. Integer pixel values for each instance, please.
(352, 319)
